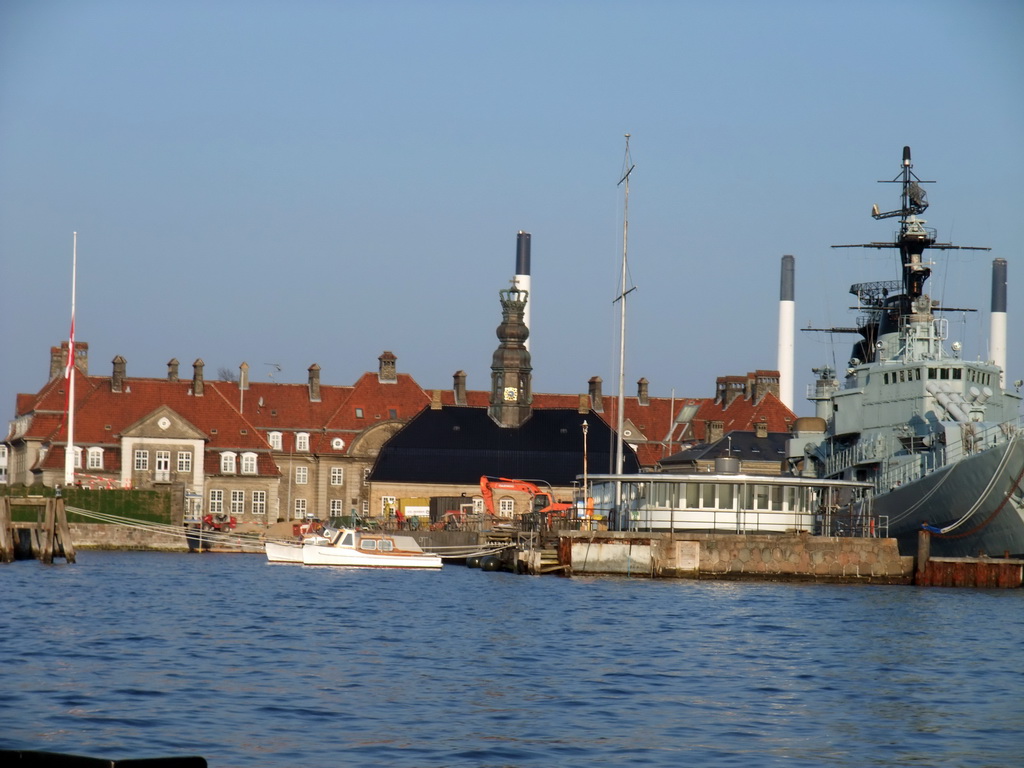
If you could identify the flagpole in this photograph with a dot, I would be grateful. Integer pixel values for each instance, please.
(69, 373)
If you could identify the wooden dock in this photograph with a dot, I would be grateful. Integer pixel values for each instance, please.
(43, 539)
(979, 572)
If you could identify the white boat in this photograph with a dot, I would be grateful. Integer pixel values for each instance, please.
(291, 551)
(364, 549)
(284, 551)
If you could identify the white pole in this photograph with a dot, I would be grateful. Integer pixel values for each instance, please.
(620, 420)
(786, 320)
(69, 373)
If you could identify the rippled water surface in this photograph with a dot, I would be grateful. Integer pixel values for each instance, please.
(252, 664)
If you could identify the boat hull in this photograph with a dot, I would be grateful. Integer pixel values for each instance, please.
(283, 553)
(987, 487)
(315, 554)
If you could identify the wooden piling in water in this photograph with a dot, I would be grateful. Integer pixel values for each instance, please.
(48, 538)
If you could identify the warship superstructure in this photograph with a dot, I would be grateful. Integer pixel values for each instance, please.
(940, 437)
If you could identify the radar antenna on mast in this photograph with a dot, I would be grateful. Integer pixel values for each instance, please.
(912, 238)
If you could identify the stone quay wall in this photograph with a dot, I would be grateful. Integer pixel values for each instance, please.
(103, 536)
(779, 557)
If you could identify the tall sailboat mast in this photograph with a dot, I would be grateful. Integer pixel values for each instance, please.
(69, 372)
(628, 167)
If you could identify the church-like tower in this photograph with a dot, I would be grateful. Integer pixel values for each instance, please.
(511, 372)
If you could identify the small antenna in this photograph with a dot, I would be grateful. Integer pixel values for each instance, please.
(276, 367)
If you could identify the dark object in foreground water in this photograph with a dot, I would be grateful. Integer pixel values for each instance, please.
(24, 759)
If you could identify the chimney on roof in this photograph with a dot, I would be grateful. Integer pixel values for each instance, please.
(460, 387)
(314, 383)
(728, 388)
(595, 394)
(59, 359)
(584, 406)
(172, 369)
(641, 392)
(761, 429)
(435, 400)
(714, 431)
(243, 376)
(387, 372)
(197, 377)
(764, 382)
(117, 380)
(56, 366)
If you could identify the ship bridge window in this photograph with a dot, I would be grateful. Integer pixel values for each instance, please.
(347, 541)
(944, 373)
(692, 495)
(368, 544)
(755, 496)
(725, 497)
(707, 494)
(933, 373)
(958, 373)
(663, 495)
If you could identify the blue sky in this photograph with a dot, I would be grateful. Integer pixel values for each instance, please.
(317, 182)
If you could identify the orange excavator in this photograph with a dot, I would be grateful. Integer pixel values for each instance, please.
(545, 508)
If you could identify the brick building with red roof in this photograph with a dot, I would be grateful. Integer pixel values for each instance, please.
(268, 451)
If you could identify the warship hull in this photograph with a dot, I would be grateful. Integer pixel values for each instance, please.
(974, 506)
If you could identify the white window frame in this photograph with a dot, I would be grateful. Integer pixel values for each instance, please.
(238, 503)
(302, 441)
(337, 507)
(338, 444)
(216, 502)
(259, 502)
(300, 509)
(337, 475)
(506, 506)
(366, 475)
(301, 475)
(249, 463)
(274, 438)
(141, 460)
(94, 458)
(163, 466)
(227, 462)
(78, 456)
(385, 502)
(184, 461)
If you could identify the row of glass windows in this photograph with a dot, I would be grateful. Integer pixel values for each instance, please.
(937, 374)
(162, 461)
(276, 439)
(258, 502)
(337, 475)
(774, 498)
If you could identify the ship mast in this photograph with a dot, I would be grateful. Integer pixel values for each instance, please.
(69, 373)
(913, 237)
(621, 298)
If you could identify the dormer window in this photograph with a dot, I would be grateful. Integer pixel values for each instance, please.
(274, 438)
(248, 463)
(227, 463)
(95, 458)
(78, 457)
(337, 444)
(301, 441)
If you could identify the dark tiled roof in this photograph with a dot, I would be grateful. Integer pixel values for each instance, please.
(745, 446)
(456, 445)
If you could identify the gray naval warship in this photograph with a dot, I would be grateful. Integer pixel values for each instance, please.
(940, 437)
